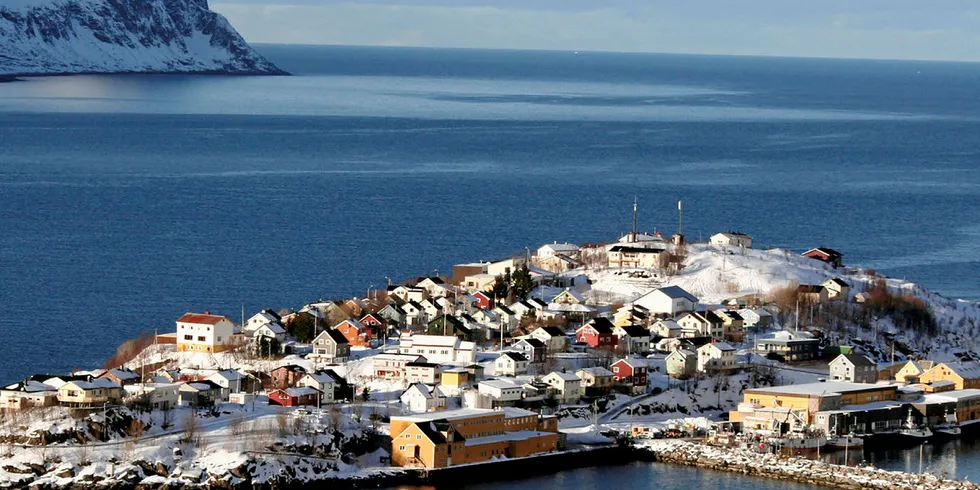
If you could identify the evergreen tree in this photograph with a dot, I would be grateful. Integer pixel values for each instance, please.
(521, 283)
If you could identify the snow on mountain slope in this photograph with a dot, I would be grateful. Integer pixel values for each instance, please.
(111, 36)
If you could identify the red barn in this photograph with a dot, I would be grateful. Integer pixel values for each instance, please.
(597, 333)
(484, 300)
(827, 255)
(632, 373)
(294, 397)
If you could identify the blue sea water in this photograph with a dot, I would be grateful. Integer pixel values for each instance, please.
(127, 200)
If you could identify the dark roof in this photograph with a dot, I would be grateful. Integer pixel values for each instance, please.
(858, 360)
(808, 288)
(696, 341)
(505, 309)
(733, 315)
(636, 331)
(826, 251)
(678, 292)
(638, 250)
(517, 356)
(422, 364)
(601, 325)
(272, 312)
(537, 344)
(338, 379)
(64, 377)
(554, 331)
(430, 431)
(840, 282)
(337, 336)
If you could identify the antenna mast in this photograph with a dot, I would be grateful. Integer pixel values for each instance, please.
(634, 220)
(680, 219)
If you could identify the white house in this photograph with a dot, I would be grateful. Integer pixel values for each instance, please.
(261, 318)
(716, 356)
(504, 390)
(567, 386)
(434, 287)
(159, 396)
(270, 331)
(837, 289)
(442, 349)
(755, 317)
(553, 337)
(423, 372)
(408, 293)
(853, 368)
(624, 256)
(229, 380)
(701, 324)
(323, 381)
(668, 301)
(634, 339)
(510, 364)
(28, 394)
(204, 333)
(553, 249)
(732, 239)
(392, 366)
(420, 398)
(666, 328)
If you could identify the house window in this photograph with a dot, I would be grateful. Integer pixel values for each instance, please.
(188, 337)
(200, 338)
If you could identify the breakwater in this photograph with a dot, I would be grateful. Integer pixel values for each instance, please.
(800, 470)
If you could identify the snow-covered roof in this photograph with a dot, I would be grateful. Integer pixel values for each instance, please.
(434, 340)
(228, 374)
(824, 388)
(30, 386)
(566, 376)
(425, 390)
(503, 383)
(123, 374)
(570, 308)
(559, 247)
(460, 413)
(514, 412)
(596, 371)
(301, 391)
(98, 383)
(676, 292)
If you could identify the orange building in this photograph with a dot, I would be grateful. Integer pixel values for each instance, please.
(470, 435)
(965, 376)
(355, 333)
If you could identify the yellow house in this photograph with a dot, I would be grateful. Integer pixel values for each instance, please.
(911, 370)
(89, 393)
(469, 435)
(804, 400)
(455, 378)
(963, 375)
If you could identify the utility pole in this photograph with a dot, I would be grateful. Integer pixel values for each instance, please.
(680, 219)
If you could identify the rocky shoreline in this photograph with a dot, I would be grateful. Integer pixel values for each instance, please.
(303, 472)
(799, 470)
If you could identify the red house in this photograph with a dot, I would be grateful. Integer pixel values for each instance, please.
(597, 333)
(373, 321)
(284, 377)
(355, 332)
(632, 373)
(484, 300)
(827, 255)
(294, 397)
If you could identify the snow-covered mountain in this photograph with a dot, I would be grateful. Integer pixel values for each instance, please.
(115, 36)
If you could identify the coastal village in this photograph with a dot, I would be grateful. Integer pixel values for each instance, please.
(560, 349)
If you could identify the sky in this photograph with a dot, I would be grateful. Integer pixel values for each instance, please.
(886, 29)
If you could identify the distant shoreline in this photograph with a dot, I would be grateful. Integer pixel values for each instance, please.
(17, 77)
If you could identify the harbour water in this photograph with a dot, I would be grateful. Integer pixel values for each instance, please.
(127, 200)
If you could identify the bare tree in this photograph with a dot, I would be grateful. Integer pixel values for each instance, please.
(282, 424)
(190, 426)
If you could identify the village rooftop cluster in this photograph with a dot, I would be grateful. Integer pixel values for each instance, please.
(482, 361)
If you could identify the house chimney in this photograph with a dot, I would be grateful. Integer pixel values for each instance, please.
(207, 312)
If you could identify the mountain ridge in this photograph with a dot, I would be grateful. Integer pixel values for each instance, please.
(60, 37)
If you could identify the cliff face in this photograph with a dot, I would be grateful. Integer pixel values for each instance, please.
(113, 36)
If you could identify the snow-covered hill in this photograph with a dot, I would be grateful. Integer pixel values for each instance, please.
(121, 36)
